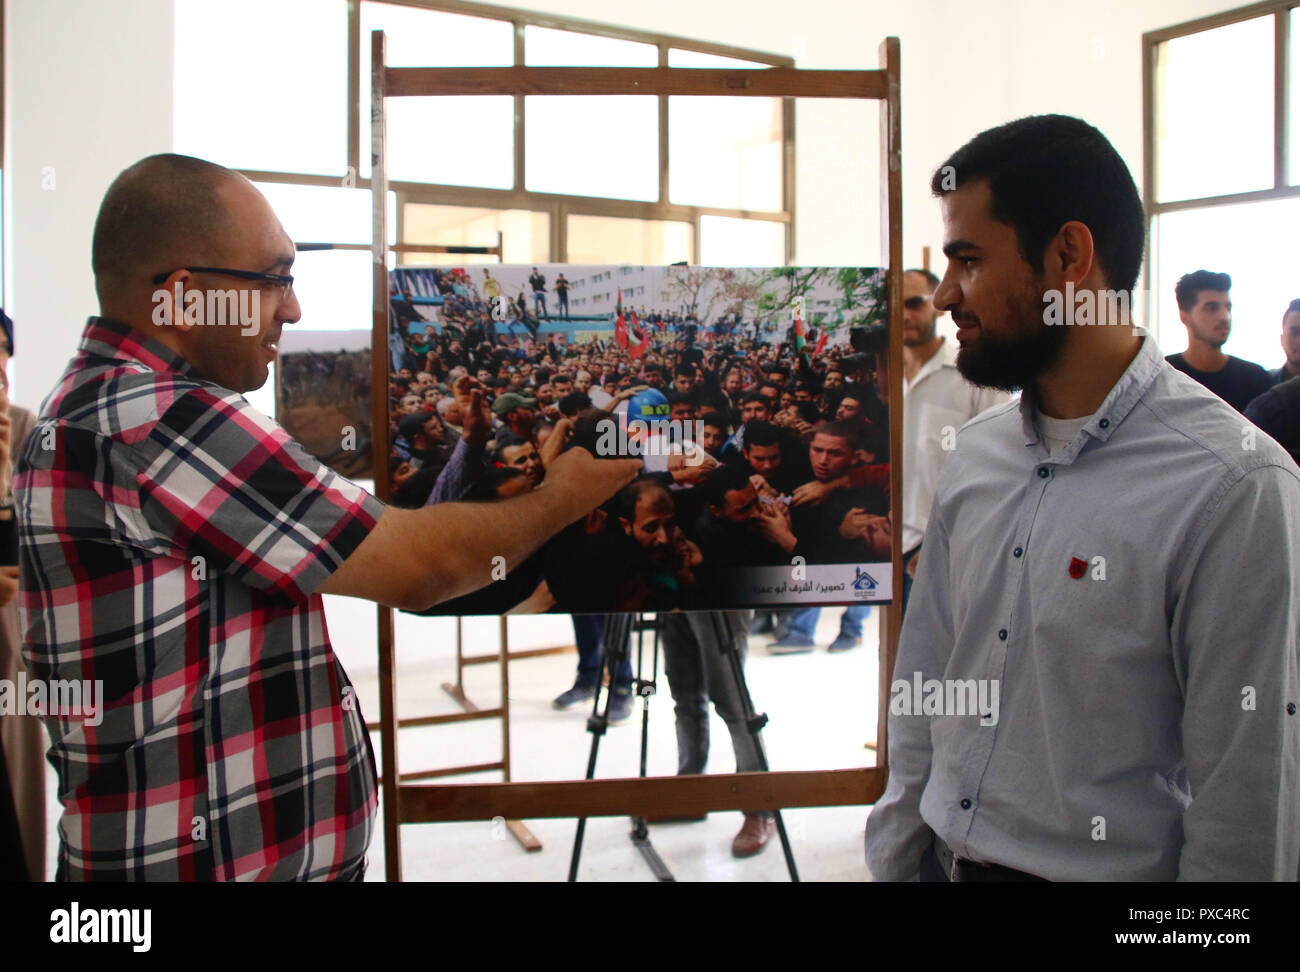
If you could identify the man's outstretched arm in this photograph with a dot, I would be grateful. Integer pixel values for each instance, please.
(414, 559)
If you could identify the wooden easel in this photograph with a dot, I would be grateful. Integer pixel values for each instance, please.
(675, 796)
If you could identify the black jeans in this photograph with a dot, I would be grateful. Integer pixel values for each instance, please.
(698, 673)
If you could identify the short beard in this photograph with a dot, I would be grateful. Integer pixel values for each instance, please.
(1012, 363)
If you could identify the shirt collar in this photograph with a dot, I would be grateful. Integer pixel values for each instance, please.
(107, 338)
(944, 357)
(1114, 408)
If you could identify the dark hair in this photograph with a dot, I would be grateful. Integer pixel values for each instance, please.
(754, 396)
(628, 497)
(715, 419)
(851, 431)
(1291, 308)
(507, 440)
(685, 370)
(488, 485)
(808, 412)
(759, 433)
(1188, 289)
(769, 384)
(573, 403)
(727, 478)
(1046, 170)
(930, 278)
(413, 493)
(677, 398)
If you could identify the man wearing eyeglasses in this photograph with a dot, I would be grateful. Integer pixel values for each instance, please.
(230, 744)
(937, 401)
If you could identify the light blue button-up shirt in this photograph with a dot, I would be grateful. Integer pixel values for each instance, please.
(1147, 726)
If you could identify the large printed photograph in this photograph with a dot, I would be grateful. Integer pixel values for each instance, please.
(755, 398)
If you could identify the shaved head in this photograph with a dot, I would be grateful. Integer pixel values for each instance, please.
(170, 214)
(164, 212)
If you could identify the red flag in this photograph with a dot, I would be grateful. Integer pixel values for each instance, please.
(641, 333)
(620, 326)
(821, 342)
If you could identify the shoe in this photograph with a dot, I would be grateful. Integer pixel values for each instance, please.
(620, 708)
(791, 644)
(579, 693)
(844, 643)
(754, 835)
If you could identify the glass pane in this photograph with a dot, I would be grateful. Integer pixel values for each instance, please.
(544, 47)
(526, 235)
(596, 145)
(725, 152)
(727, 242)
(316, 214)
(1293, 149)
(1254, 244)
(462, 141)
(335, 290)
(1214, 112)
(267, 118)
(648, 242)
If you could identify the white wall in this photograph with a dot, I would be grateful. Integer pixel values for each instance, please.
(88, 92)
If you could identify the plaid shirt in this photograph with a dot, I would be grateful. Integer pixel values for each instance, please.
(171, 539)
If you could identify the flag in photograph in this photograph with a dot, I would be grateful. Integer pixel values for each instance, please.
(620, 325)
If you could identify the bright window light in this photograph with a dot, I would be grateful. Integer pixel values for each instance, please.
(1254, 244)
(1214, 112)
(287, 115)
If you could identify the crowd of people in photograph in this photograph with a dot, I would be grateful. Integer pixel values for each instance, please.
(754, 454)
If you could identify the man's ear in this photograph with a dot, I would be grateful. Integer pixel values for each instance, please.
(1072, 251)
(627, 527)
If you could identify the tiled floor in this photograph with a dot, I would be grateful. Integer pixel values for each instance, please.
(822, 709)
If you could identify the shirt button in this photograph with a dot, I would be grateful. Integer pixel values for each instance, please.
(1290, 708)
(965, 804)
(1002, 635)
(1104, 424)
(1018, 551)
(1043, 472)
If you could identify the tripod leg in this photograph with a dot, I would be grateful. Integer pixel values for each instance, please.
(753, 720)
(615, 644)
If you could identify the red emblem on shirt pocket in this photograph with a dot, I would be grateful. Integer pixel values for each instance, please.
(1077, 567)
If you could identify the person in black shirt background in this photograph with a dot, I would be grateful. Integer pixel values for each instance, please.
(1290, 345)
(1206, 310)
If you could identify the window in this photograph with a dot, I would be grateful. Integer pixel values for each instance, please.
(1214, 111)
(1221, 186)
(526, 235)
(266, 118)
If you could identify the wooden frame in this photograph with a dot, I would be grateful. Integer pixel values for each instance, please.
(678, 795)
(1280, 10)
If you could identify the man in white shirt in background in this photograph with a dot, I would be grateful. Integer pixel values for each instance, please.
(937, 401)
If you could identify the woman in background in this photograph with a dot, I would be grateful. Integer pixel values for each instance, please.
(22, 737)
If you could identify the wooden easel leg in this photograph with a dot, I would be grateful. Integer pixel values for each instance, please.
(457, 691)
(527, 840)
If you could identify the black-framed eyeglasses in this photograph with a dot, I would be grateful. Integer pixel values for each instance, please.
(283, 279)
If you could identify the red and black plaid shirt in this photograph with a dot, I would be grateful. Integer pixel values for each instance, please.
(171, 539)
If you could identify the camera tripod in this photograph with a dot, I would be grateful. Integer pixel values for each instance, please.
(617, 640)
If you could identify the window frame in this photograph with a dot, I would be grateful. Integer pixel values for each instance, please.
(1280, 10)
(559, 206)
